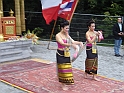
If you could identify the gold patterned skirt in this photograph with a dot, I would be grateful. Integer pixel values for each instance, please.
(91, 62)
(64, 68)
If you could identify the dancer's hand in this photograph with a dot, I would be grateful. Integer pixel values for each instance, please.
(81, 45)
(76, 51)
(121, 33)
(100, 35)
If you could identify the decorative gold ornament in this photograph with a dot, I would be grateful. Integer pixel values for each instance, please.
(32, 36)
(11, 12)
(1, 13)
(1, 38)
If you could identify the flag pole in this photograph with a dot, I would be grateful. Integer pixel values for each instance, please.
(51, 34)
(73, 10)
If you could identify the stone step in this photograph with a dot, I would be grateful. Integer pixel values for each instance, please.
(6, 47)
(8, 50)
(14, 58)
(16, 43)
(10, 53)
(14, 50)
(2, 44)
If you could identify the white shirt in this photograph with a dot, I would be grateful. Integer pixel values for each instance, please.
(120, 26)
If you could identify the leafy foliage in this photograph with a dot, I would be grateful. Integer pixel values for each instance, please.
(114, 7)
(84, 6)
(38, 31)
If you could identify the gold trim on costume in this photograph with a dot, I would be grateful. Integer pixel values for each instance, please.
(89, 49)
(59, 54)
(65, 75)
(65, 65)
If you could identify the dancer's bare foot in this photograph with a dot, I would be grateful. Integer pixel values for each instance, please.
(94, 78)
(85, 75)
(64, 87)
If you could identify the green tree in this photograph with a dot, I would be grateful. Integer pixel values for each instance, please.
(101, 6)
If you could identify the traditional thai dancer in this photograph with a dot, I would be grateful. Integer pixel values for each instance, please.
(64, 67)
(91, 62)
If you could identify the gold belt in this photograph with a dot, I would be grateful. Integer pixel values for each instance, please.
(89, 49)
(59, 53)
(62, 49)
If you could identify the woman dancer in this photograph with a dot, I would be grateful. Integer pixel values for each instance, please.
(64, 66)
(91, 62)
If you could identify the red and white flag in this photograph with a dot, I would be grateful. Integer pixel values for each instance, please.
(67, 9)
(50, 9)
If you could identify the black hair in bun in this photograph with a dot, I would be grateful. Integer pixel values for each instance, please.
(64, 23)
(90, 22)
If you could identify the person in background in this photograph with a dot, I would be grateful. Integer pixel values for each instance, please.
(64, 67)
(118, 32)
(91, 62)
